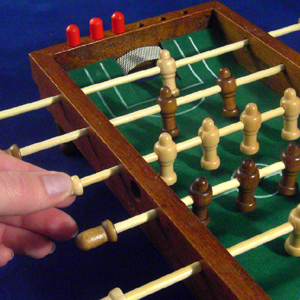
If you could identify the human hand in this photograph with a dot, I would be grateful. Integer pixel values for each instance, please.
(29, 198)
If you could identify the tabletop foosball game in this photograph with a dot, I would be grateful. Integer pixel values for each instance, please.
(191, 119)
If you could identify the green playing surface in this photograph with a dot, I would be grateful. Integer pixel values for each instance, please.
(269, 265)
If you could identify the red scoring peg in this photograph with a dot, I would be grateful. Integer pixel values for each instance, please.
(96, 28)
(73, 35)
(118, 22)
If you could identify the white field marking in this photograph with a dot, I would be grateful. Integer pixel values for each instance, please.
(153, 99)
(206, 65)
(273, 174)
(143, 102)
(115, 88)
(146, 101)
(99, 94)
(190, 86)
(190, 67)
(194, 107)
(139, 103)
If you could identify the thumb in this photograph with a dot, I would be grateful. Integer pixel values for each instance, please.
(27, 192)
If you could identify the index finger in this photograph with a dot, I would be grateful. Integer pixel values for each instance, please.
(10, 163)
(23, 193)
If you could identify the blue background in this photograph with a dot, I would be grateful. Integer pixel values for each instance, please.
(26, 26)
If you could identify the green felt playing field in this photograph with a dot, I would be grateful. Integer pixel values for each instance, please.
(269, 265)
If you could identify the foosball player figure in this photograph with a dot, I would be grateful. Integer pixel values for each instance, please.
(167, 66)
(251, 119)
(291, 159)
(209, 135)
(201, 192)
(291, 104)
(292, 244)
(228, 85)
(166, 151)
(248, 176)
(168, 105)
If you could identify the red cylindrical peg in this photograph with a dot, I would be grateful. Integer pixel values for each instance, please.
(96, 28)
(118, 22)
(73, 35)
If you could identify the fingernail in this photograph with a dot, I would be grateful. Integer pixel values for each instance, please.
(57, 183)
(75, 233)
(53, 248)
(12, 254)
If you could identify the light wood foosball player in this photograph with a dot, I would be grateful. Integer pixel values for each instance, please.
(122, 164)
(209, 135)
(251, 119)
(167, 67)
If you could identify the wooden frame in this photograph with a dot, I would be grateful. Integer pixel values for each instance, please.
(177, 233)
